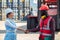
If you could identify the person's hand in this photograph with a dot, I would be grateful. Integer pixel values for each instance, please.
(26, 31)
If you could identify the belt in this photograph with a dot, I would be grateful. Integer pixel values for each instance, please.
(10, 31)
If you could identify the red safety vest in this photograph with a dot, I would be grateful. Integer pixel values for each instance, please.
(44, 27)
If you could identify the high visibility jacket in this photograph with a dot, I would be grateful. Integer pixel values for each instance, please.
(44, 27)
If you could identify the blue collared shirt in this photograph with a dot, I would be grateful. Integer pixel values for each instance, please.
(10, 24)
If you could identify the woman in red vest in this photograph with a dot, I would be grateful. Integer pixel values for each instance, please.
(46, 25)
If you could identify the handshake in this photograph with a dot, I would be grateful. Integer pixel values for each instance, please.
(25, 31)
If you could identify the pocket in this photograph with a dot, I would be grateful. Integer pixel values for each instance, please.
(48, 38)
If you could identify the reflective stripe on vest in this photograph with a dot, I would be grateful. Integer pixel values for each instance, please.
(46, 28)
(46, 34)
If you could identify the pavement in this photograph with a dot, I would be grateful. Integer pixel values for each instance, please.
(22, 35)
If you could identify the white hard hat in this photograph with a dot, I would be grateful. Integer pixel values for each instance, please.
(8, 10)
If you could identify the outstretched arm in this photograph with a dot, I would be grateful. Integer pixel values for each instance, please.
(13, 26)
(34, 30)
(21, 29)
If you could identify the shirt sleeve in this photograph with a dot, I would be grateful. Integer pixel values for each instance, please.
(35, 29)
(52, 25)
(10, 24)
(52, 28)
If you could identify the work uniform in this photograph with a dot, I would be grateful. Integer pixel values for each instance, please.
(46, 25)
(46, 29)
(10, 28)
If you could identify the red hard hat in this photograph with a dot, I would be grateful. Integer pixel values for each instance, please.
(44, 7)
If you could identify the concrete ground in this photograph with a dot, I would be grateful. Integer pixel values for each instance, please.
(21, 35)
(29, 36)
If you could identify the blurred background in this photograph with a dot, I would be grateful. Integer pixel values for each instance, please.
(24, 8)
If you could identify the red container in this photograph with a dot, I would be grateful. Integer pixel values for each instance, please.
(50, 0)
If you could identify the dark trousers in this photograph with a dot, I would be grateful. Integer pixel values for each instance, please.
(40, 39)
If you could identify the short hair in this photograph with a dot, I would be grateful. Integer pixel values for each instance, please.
(8, 14)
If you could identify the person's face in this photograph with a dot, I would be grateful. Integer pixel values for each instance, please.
(11, 15)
